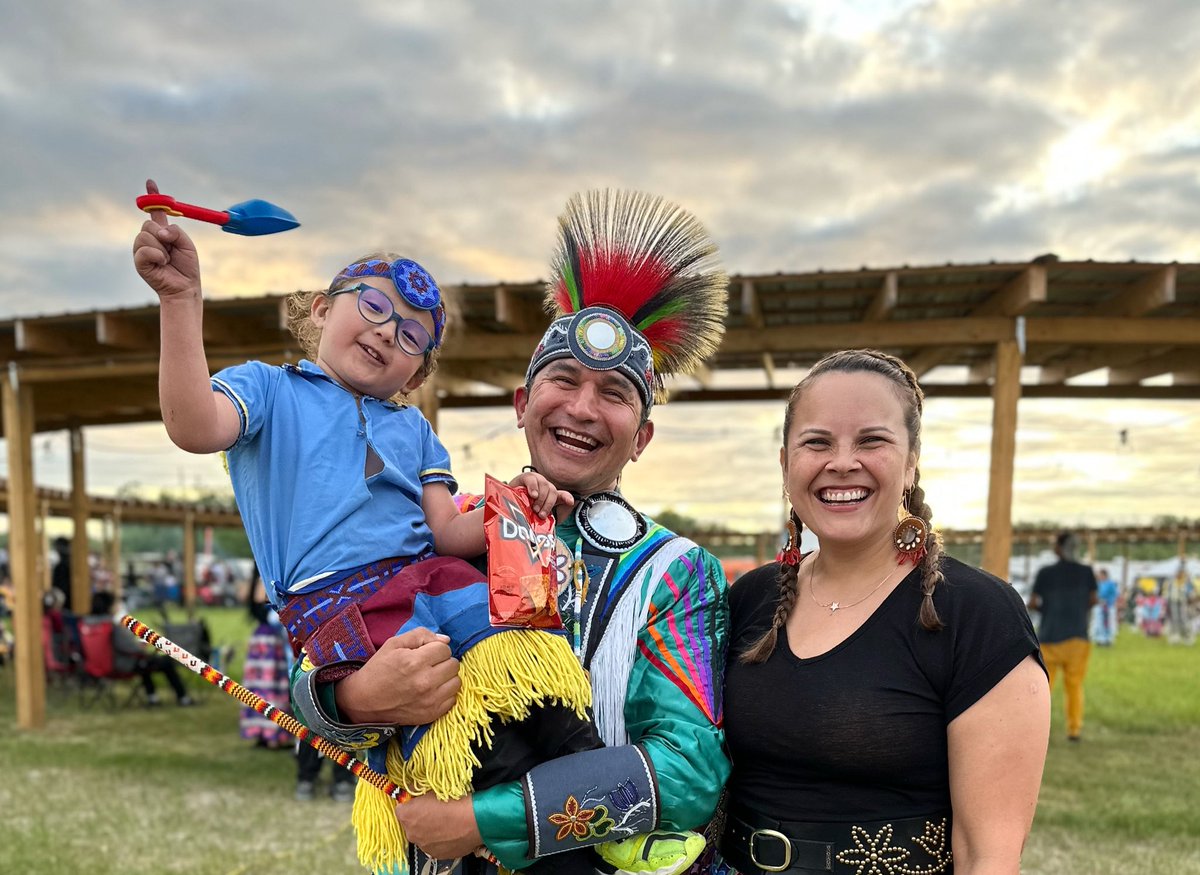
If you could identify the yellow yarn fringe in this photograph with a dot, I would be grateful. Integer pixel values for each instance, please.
(505, 675)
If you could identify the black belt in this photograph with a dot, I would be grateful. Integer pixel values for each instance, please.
(754, 843)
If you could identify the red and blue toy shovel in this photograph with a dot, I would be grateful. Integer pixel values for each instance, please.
(249, 218)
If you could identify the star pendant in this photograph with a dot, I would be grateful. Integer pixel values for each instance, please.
(833, 607)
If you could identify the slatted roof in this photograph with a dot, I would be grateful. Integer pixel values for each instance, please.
(1140, 320)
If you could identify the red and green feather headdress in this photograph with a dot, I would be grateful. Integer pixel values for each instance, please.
(635, 286)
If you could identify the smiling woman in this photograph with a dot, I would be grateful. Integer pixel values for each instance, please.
(840, 650)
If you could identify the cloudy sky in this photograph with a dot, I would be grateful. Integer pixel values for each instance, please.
(805, 134)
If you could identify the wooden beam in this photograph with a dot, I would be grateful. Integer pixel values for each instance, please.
(225, 329)
(780, 340)
(1006, 393)
(119, 331)
(1044, 537)
(1084, 361)
(884, 301)
(752, 310)
(1100, 331)
(1178, 392)
(1169, 362)
(45, 337)
(768, 365)
(1155, 290)
(1012, 299)
(106, 369)
(886, 335)
(57, 401)
(520, 312)
(1017, 296)
(505, 375)
(24, 552)
(81, 583)
(982, 371)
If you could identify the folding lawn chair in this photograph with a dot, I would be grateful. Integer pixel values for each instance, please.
(100, 675)
(193, 636)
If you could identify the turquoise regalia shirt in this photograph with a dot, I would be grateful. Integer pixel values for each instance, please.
(653, 636)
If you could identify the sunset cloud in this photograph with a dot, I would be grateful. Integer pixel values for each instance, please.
(805, 134)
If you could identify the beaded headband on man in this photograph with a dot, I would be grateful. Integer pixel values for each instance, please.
(412, 282)
(636, 288)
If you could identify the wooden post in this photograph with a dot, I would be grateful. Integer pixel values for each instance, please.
(81, 584)
(189, 558)
(1181, 544)
(23, 548)
(43, 550)
(426, 398)
(118, 580)
(1091, 539)
(1006, 392)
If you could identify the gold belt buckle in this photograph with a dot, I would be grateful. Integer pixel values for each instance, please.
(787, 850)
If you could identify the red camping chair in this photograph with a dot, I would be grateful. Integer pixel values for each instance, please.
(99, 673)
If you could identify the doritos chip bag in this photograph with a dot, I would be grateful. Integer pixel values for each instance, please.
(522, 590)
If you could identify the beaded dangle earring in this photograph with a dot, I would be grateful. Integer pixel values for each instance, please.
(910, 535)
(790, 554)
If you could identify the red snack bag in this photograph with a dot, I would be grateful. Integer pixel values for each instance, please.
(522, 589)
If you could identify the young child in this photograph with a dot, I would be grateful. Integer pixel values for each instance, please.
(347, 501)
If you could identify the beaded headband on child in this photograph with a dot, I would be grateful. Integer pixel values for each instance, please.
(412, 282)
(635, 287)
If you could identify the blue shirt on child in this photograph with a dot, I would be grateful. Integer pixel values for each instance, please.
(299, 474)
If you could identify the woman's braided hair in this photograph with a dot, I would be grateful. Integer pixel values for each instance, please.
(868, 361)
(308, 335)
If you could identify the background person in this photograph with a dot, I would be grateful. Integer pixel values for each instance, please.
(1178, 592)
(265, 672)
(60, 575)
(1105, 621)
(133, 656)
(1065, 594)
(880, 718)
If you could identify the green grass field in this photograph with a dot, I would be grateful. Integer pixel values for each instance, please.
(112, 792)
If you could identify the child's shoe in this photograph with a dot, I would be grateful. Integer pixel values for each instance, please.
(655, 853)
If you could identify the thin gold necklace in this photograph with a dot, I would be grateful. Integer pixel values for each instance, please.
(834, 607)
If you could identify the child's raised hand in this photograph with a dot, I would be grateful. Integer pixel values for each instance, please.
(165, 256)
(543, 496)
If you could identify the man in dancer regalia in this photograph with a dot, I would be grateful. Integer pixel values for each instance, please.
(637, 296)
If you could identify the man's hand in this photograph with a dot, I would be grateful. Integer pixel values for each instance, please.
(444, 830)
(543, 497)
(412, 679)
(165, 256)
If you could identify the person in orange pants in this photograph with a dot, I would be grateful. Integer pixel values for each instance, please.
(1065, 593)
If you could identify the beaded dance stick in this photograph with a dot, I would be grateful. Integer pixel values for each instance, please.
(275, 715)
(266, 709)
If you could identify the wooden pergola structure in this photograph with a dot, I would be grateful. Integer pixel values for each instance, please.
(1138, 320)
